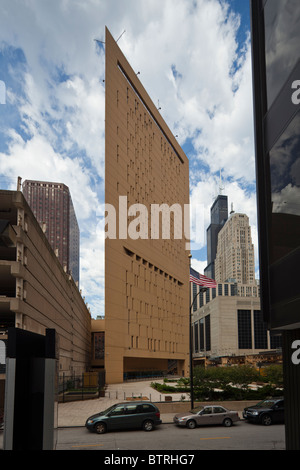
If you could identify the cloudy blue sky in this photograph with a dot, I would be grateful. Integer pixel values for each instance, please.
(194, 59)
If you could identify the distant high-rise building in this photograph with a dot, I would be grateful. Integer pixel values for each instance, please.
(235, 251)
(52, 206)
(218, 216)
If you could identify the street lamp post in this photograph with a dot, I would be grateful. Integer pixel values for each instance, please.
(202, 289)
(191, 361)
(191, 344)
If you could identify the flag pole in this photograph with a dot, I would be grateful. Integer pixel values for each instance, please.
(191, 345)
(202, 288)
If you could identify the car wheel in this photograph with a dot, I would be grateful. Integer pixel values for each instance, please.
(100, 428)
(148, 425)
(266, 420)
(191, 424)
(227, 422)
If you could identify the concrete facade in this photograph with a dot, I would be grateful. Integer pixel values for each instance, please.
(229, 327)
(224, 325)
(146, 279)
(235, 251)
(35, 291)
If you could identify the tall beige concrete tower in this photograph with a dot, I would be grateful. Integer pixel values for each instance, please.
(235, 251)
(146, 271)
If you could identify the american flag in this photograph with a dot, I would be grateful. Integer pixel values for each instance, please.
(202, 280)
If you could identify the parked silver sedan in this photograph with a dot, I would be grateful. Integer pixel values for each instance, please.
(205, 415)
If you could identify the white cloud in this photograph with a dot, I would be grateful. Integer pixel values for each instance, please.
(36, 159)
(198, 265)
(92, 269)
(82, 108)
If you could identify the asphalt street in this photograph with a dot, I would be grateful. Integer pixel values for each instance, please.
(168, 437)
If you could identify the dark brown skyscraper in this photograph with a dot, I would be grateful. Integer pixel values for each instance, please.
(52, 206)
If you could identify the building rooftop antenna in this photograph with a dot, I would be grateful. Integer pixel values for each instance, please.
(103, 42)
(220, 184)
(220, 188)
(121, 35)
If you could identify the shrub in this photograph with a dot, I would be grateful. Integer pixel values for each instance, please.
(227, 383)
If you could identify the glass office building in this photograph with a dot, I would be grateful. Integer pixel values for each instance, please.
(276, 71)
(276, 80)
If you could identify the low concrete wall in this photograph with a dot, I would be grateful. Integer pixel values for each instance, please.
(182, 406)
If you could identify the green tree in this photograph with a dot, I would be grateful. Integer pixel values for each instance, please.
(273, 374)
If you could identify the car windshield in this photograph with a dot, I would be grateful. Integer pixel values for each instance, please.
(108, 410)
(197, 410)
(266, 403)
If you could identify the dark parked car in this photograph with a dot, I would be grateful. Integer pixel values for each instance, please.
(266, 412)
(140, 414)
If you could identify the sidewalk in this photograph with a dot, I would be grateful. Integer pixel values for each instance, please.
(75, 413)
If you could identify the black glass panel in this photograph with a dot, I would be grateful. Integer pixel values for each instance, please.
(260, 331)
(244, 329)
(285, 187)
(207, 332)
(282, 39)
(201, 334)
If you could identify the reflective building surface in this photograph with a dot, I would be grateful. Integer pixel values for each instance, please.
(275, 31)
(276, 72)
